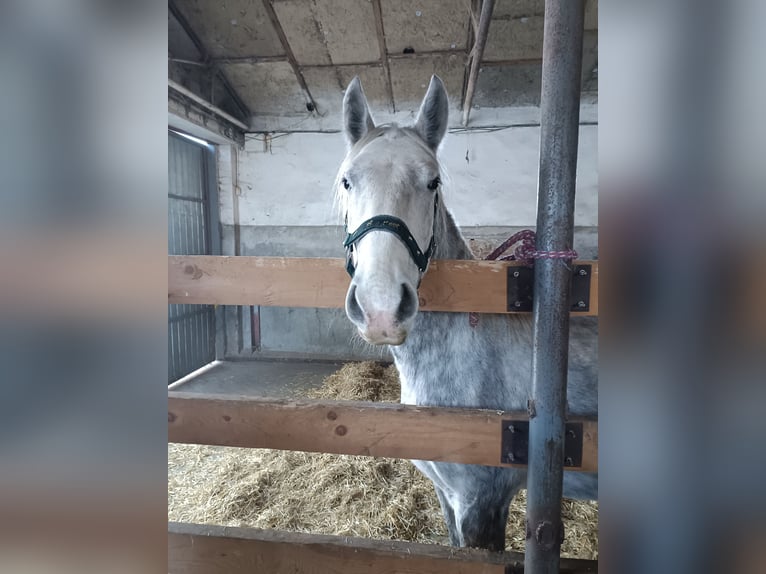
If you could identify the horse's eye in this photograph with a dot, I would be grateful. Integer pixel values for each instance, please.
(434, 183)
(345, 183)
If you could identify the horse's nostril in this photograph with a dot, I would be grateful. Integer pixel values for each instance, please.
(353, 309)
(408, 304)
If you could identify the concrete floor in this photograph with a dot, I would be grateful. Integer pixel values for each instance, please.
(279, 379)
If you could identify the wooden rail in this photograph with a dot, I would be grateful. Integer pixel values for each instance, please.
(207, 549)
(459, 286)
(469, 436)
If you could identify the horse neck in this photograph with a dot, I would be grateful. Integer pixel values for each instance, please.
(450, 243)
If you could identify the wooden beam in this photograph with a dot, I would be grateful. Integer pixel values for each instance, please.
(370, 64)
(468, 436)
(458, 286)
(472, 6)
(211, 549)
(521, 62)
(207, 105)
(218, 129)
(487, 6)
(184, 23)
(269, 7)
(251, 60)
(188, 62)
(383, 52)
(375, 64)
(426, 54)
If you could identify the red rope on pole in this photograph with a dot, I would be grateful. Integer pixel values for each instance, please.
(525, 251)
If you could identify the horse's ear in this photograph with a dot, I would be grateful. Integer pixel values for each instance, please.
(357, 120)
(434, 113)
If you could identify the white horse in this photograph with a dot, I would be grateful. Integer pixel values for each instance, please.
(390, 188)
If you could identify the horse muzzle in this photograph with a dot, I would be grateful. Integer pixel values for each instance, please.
(380, 326)
(382, 332)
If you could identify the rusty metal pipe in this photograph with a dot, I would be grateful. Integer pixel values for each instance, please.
(559, 125)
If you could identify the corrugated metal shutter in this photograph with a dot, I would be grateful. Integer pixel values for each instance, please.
(191, 328)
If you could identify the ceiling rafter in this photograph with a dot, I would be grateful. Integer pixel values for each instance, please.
(251, 60)
(516, 62)
(207, 60)
(186, 92)
(472, 6)
(426, 54)
(253, 46)
(487, 6)
(373, 64)
(268, 5)
(384, 52)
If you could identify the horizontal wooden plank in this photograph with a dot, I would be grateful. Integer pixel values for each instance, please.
(470, 436)
(459, 286)
(209, 549)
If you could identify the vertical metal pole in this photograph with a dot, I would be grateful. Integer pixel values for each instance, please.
(560, 107)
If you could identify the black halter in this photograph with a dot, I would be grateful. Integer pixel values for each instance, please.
(396, 226)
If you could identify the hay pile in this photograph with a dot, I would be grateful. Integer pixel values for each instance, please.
(367, 381)
(336, 494)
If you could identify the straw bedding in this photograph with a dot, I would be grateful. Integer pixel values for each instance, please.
(336, 494)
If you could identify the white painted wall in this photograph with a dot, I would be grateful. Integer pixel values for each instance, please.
(289, 182)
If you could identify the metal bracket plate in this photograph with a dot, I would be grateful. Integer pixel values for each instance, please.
(521, 281)
(515, 443)
(579, 298)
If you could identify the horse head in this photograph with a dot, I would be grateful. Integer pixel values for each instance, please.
(389, 187)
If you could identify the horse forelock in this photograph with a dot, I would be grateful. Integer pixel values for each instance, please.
(390, 132)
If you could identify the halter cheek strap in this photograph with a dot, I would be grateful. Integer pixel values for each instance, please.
(396, 226)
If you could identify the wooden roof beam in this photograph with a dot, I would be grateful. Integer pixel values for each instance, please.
(383, 52)
(311, 105)
(207, 60)
(476, 55)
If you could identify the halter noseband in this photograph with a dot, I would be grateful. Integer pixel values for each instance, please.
(396, 226)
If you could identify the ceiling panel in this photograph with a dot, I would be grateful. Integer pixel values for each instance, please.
(425, 25)
(515, 8)
(509, 85)
(179, 43)
(330, 31)
(410, 78)
(328, 84)
(303, 32)
(333, 40)
(515, 39)
(232, 28)
(267, 88)
(349, 30)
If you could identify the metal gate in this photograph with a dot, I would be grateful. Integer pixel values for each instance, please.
(191, 328)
